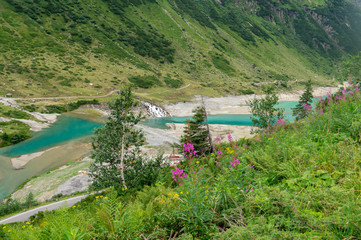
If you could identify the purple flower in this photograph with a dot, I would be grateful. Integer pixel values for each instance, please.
(230, 137)
(307, 107)
(235, 162)
(281, 122)
(178, 174)
(218, 139)
(188, 150)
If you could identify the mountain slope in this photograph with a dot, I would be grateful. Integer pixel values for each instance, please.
(78, 47)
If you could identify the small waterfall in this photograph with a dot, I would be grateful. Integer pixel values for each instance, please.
(155, 111)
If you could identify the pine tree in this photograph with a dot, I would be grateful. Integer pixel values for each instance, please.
(195, 132)
(300, 112)
(116, 145)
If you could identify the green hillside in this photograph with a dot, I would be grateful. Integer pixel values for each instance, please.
(78, 47)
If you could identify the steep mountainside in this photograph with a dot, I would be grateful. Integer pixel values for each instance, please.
(78, 47)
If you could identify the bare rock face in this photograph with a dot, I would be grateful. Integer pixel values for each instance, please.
(80, 182)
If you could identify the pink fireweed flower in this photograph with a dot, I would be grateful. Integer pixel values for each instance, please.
(218, 139)
(188, 150)
(230, 138)
(235, 162)
(250, 189)
(343, 91)
(307, 107)
(281, 122)
(321, 111)
(178, 174)
(350, 92)
(341, 98)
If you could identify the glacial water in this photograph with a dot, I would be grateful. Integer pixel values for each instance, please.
(66, 128)
(227, 119)
(70, 132)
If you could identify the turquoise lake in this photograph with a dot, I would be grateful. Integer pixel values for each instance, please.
(64, 131)
(227, 119)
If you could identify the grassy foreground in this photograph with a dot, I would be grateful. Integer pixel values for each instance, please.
(301, 182)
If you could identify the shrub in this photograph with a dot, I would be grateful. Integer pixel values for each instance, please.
(173, 83)
(145, 81)
(222, 64)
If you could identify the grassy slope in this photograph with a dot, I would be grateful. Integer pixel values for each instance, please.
(52, 179)
(304, 184)
(51, 57)
(15, 131)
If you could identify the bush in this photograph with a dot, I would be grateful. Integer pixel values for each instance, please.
(222, 64)
(145, 81)
(173, 83)
(55, 109)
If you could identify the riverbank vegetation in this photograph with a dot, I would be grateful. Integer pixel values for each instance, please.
(300, 181)
(13, 132)
(10, 112)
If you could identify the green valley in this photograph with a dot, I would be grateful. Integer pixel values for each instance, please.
(77, 47)
(116, 81)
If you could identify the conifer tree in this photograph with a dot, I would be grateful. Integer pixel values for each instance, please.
(300, 111)
(195, 132)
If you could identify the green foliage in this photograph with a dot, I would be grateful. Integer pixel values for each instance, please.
(143, 171)
(6, 111)
(14, 132)
(173, 83)
(146, 81)
(75, 105)
(10, 205)
(299, 111)
(264, 112)
(116, 145)
(351, 69)
(222, 64)
(151, 45)
(69, 107)
(55, 109)
(195, 132)
(30, 108)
